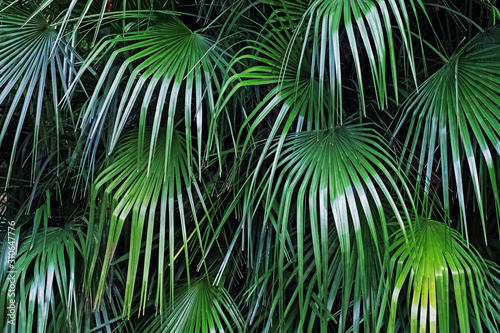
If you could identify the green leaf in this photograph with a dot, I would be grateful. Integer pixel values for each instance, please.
(326, 23)
(133, 193)
(172, 67)
(198, 307)
(448, 282)
(456, 112)
(341, 176)
(36, 68)
(45, 280)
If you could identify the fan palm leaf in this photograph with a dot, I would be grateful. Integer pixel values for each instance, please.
(34, 65)
(263, 292)
(238, 193)
(294, 91)
(455, 110)
(340, 176)
(295, 66)
(198, 307)
(173, 66)
(46, 278)
(291, 99)
(134, 193)
(366, 24)
(75, 13)
(450, 286)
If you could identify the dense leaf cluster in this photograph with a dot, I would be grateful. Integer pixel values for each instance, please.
(249, 166)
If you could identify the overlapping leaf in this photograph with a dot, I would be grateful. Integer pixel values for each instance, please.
(263, 292)
(314, 53)
(308, 247)
(293, 91)
(46, 281)
(293, 96)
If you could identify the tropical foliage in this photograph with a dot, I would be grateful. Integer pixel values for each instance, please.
(249, 166)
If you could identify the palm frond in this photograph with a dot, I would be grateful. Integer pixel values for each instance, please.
(263, 292)
(173, 67)
(455, 111)
(340, 176)
(35, 67)
(291, 98)
(367, 24)
(46, 279)
(198, 307)
(449, 286)
(135, 193)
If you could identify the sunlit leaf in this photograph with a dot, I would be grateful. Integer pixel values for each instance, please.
(450, 287)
